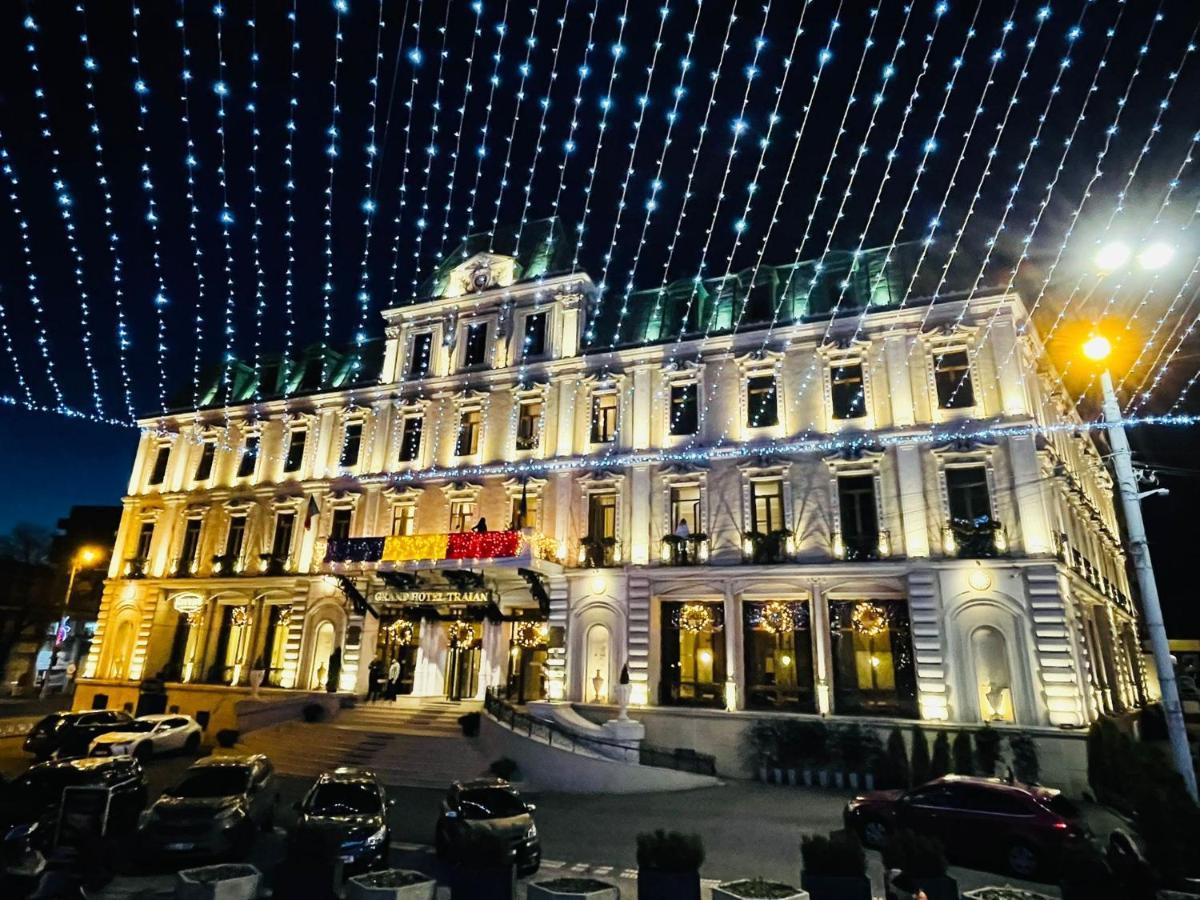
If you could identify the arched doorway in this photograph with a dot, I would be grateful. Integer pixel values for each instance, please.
(598, 672)
(993, 677)
(324, 640)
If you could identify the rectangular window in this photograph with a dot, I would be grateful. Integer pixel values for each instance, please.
(530, 517)
(777, 642)
(534, 342)
(952, 373)
(967, 494)
(528, 418)
(859, 515)
(404, 519)
(685, 507)
(692, 659)
(159, 472)
(685, 411)
(421, 360)
(475, 345)
(249, 457)
(766, 506)
(762, 407)
(468, 433)
(235, 538)
(462, 515)
(145, 536)
(281, 547)
(410, 439)
(351, 445)
(602, 516)
(873, 658)
(847, 391)
(604, 418)
(295, 451)
(208, 451)
(190, 549)
(339, 525)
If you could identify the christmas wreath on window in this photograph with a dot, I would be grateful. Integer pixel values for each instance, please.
(460, 634)
(869, 619)
(697, 618)
(530, 634)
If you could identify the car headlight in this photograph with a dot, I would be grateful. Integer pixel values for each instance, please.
(531, 831)
(377, 838)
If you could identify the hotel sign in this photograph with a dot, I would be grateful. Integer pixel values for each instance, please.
(432, 598)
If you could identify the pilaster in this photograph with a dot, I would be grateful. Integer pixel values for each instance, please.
(925, 621)
(1056, 664)
(914, 513)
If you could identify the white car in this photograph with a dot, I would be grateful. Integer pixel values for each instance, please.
(148, 735)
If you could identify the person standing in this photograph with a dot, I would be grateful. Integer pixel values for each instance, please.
(393, 677)
(374, 679)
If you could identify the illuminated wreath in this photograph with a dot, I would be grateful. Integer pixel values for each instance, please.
(869, 619)
(195, 617)
(778, 618)
(461, 634)
(401, 631)
(696, 617)
(241, 616)
(285, 617)
(530, 634)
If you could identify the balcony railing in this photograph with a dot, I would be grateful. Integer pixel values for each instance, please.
(135, 567)
(184, 568)
(227, 565)
(770, 548)
(270, 564)
(596, 553)
(438, 547)
(684, 551)
(976, 539)
(862, 547)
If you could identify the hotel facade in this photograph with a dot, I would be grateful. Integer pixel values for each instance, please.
(727, 486)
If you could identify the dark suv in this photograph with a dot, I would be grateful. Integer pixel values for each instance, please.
(343, 816)
(70, 733)
(489, 804)
(36, 795)
(980, 821)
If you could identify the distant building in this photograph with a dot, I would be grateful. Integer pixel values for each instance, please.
(25, 611)
(334, 502)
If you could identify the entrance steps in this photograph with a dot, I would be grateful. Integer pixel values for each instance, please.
(413, 742)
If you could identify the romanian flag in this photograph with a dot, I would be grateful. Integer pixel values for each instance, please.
(311, 512)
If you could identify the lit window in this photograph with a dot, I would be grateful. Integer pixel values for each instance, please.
(604, 418)
(404, 519)
(762, 407)
(529, 415)
(766, 506)
(685, 418)
(847, 393)
(462, 515)
(339, 525)
(410, 439)
(952, 373)
(685, 507)
(602, 516)
(528, 518)
(468, 433)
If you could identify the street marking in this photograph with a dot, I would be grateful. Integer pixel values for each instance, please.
(553, 863)
(400, 845)
(602, 870)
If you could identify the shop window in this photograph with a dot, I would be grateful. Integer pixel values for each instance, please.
(873, 658)
(762, 405)
(685, 410)
(351, 445)
(421, 359)
(693, 655)
(462, 515)
(339, 524)
(469, 426)
(847, 391)
(604, 417)
(410, 439)
(777, 642)
(952, 375)
(159, 472)
(208, 452)
(525, 512)
(859, 516)
(249, 457)
(179, 643)
(295, 450)
(528, 650)
(529, 414)
(534, 342)
(404, 519)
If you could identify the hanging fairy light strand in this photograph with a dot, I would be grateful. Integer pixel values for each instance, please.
(260, 276)
(289, 182)
(221, 89)
(90, 67)
(340, 8)
(481, 149)
(431, 151)
(65, 201)
(415, 57)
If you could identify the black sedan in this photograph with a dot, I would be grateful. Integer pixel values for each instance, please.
(489, 804)
(36, 795)
(343, 817)
(213, 811)
(69, 733)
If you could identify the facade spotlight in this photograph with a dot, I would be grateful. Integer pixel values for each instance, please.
(1113, 256)
(1156, 256)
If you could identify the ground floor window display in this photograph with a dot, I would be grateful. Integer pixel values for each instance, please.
(693, 655)
(777, 640)
(873, 670)
(527, 653)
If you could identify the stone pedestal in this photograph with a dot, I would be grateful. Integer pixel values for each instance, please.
(624, 731)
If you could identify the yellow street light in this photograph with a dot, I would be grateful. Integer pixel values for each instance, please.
(1097, 348)
(87, 556)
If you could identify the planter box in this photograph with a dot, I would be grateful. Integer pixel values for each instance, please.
(227, 881)
(366, 887)
(729, 891)
(482, 884)
(654, 885)
(546, 890)
(836, 887)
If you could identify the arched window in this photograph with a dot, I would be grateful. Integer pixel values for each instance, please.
(992, 675)
(122, 649)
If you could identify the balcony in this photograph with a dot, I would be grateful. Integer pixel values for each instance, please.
(768, 549)
(684, 551)
(598, 553)
(270, 564)
(862, 547)
(184, 568)
(135, 567)
(227, 565)
(974, 539)
(440, 549)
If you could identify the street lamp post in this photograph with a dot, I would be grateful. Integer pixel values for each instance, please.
(84, 557)
(1097, 349)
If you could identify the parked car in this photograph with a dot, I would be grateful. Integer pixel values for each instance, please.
(489, 803)
(344, 816)
(213, 810)
(980, 821)
(70, 733)
(147, 735)
(34, 796)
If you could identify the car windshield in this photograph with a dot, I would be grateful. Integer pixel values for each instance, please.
(48, 725)
(212, 781)
(135, 725)
(491, 803)
(1061, 806)
(344, 799)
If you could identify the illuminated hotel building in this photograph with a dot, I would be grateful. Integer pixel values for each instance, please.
(627, 457)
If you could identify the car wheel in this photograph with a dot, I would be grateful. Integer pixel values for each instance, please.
(1023, 860)
(192, 744)
(143, 751)
(875, 833)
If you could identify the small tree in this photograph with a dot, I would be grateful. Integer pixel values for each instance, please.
(920, 766)
(940, 764)
(1025, 758)
(964, 756)
(896, 772)
(987, 750)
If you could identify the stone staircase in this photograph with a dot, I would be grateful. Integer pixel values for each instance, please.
(414, 742)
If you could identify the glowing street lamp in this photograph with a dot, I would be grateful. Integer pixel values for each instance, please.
(1116, 255)
(1113, 256)
(1156, 256)
(84, 558)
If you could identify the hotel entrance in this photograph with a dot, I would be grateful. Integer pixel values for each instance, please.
(462, 659)
(398, 640)
(527, 652)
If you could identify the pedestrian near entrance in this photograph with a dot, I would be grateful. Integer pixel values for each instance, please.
(374, 680)
(393, 677)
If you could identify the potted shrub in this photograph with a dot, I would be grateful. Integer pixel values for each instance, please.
(757, 889)
(227, 738)
(505, 768)
(483, 867)
(835, 867)
(391, 884)
(226, 881)
(669, 865)
(573, 889)
(914, 863)
(987, 750)
(469, 723)
(1025, 758)
(921, 764)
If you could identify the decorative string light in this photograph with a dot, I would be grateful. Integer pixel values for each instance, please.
(481, 149)
(65, 201)
(585, 70)
(260, 277)
(289, 183)
(530, 635)
(696, 618)
(431, 152)
(340, 8)
(869, 619)
(221, 89)
(90, 66)
(414, 56)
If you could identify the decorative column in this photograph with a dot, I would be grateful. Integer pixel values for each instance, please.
(735, 664)
(564, 440)
(1008, 364)
(639, 515)
(899, 384)
(637, 598)
(1029, 490)
(818, 618)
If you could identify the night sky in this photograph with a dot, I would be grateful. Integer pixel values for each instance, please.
(1095, 147)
